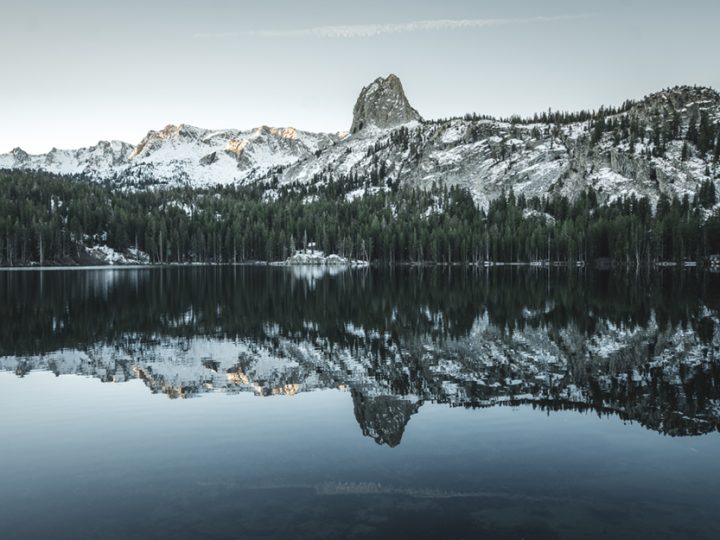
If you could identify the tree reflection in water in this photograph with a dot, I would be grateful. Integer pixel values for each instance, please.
(642, 346)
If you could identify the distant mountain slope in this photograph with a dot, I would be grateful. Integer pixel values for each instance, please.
(666, 143)
(181, 155)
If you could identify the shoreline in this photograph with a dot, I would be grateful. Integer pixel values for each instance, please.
(427, 264)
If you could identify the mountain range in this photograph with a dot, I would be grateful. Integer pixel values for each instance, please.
(667, 143)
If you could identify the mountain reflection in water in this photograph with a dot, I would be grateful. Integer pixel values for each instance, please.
(644, 347)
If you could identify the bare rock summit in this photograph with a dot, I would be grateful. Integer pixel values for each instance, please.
(382, 104)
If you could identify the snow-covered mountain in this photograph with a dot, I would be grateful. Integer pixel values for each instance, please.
(181, 155)
(100, 162)
(643, 151)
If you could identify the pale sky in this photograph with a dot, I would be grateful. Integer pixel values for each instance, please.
(77, 71)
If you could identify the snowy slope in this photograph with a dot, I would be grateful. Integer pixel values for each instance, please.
(181, 155)
(486, 156)
(205, 157)
(101, 161)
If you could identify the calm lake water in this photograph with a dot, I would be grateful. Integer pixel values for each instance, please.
(287, 403)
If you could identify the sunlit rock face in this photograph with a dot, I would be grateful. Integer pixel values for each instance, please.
(383, 105)
(646, 351)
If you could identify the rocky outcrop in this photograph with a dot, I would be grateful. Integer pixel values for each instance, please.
(383, 105)
(209, 159)
(20, 156)
(155, 140)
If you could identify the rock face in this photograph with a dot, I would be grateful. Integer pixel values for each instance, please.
(383, 104)
(20, 156)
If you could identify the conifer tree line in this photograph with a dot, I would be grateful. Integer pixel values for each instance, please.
(47, 219)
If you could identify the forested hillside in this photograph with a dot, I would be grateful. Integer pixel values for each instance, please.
(51, 219)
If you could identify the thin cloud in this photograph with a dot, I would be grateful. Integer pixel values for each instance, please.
(372, 30)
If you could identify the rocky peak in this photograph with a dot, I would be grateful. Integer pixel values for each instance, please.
(280, 132)
(382, 104)
(691, 94)
(181, 131)
(154, 139)
(20, 155)
(678, 98)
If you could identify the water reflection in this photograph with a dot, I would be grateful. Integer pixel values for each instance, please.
(641, 346)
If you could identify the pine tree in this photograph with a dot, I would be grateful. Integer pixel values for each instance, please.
(706, 194)
(685, 154)
(598, 129)
(692, 132)
(675, 123)
(705, 134)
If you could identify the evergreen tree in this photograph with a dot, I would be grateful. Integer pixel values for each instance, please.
(705, 134)
(706, 194)
(685, 153)
(598, 130)
(692, 132)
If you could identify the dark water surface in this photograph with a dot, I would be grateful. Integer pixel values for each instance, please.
(360, 404)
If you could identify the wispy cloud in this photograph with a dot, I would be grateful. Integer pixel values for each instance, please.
(372, 30)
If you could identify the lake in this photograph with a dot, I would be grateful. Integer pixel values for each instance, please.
(253, 402)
